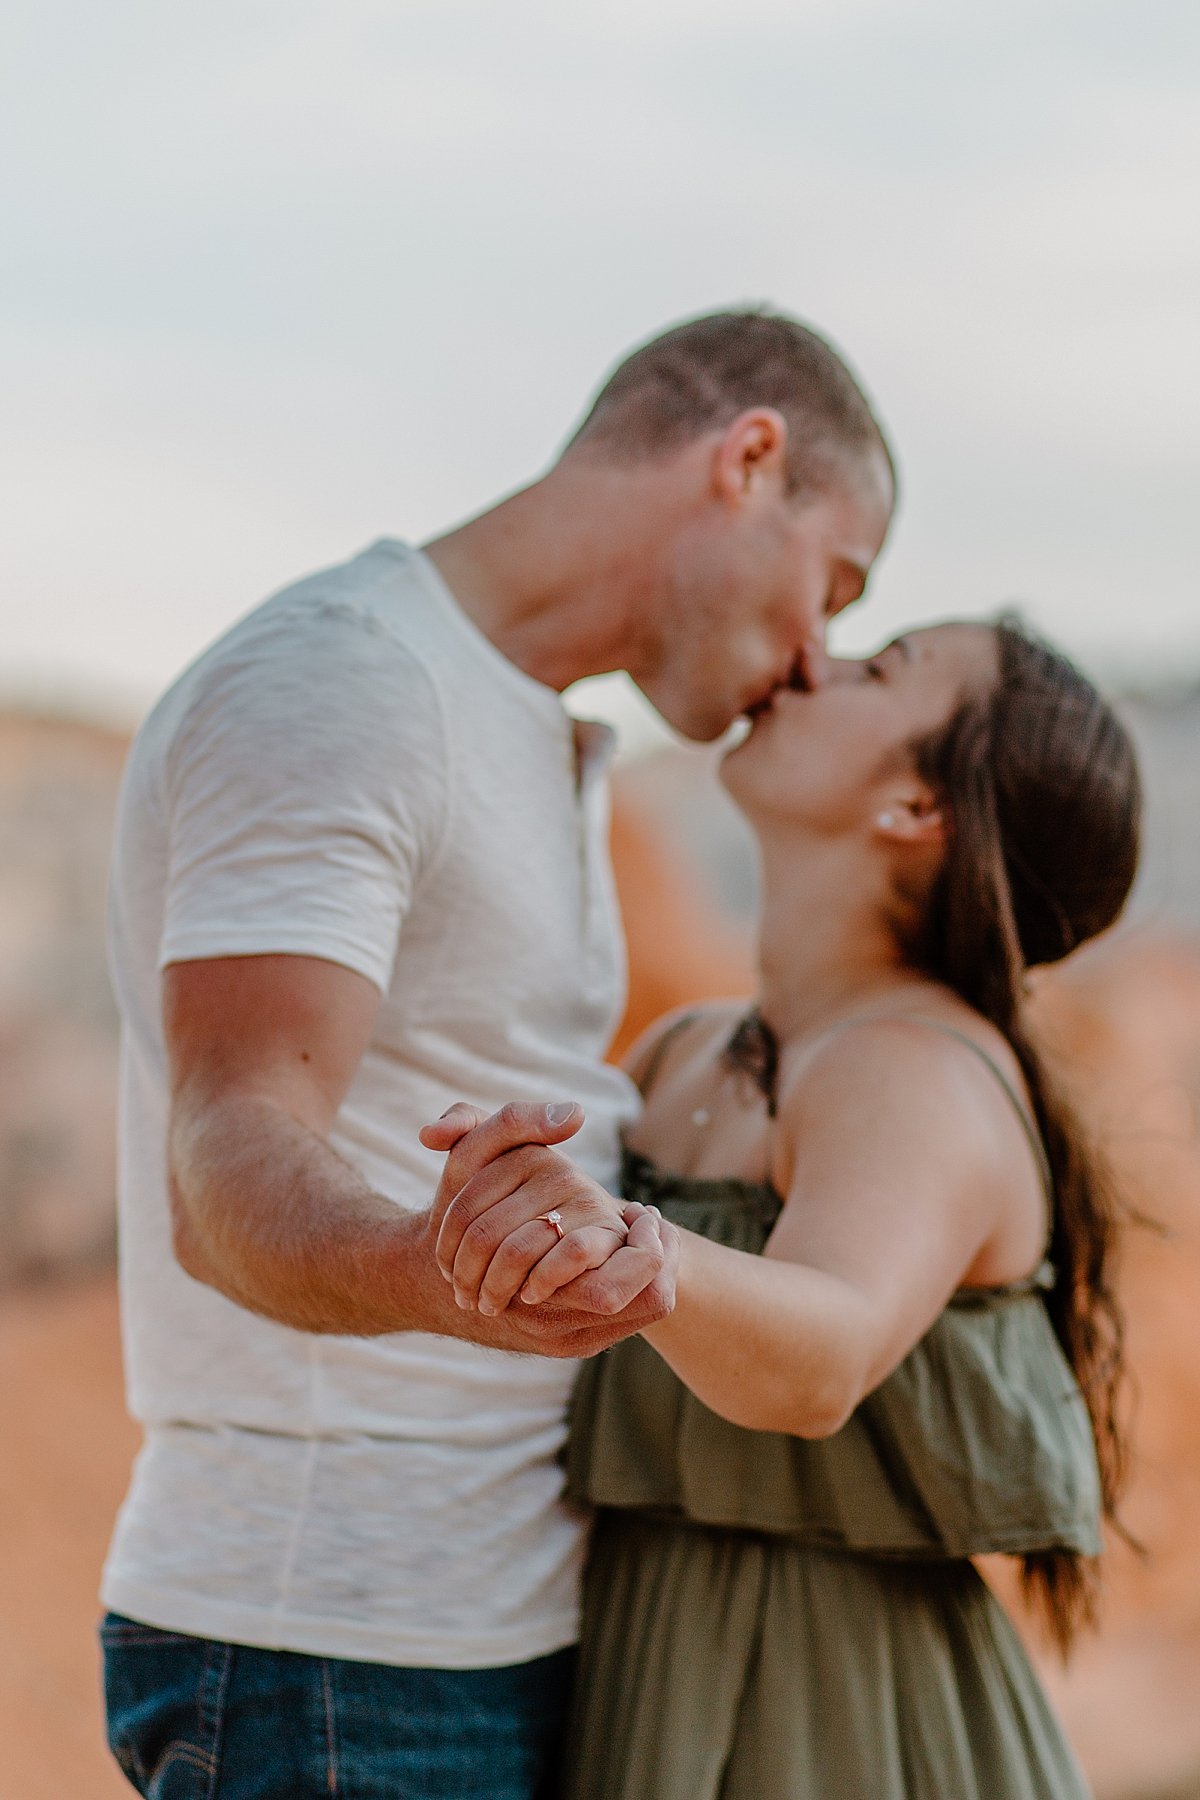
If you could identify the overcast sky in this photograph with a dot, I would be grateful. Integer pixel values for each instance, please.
(278, 278)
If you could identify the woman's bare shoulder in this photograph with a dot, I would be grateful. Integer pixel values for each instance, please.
(681, 1033)
(924, 1079)
(914, 1040)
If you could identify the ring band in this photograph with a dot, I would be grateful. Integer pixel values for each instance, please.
(555, 1219)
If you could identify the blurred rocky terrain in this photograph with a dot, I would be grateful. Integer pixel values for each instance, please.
(58, 787)
(1125, 1018)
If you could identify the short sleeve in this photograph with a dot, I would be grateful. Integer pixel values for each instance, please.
(306, 789)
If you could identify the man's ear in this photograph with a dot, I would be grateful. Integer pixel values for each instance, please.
(914, 817)
(751, 454)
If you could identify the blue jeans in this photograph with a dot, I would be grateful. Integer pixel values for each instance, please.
(193, 1719)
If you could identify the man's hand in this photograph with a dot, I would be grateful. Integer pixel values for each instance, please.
(494, 1241)
(591, 1313)
(262, 1050)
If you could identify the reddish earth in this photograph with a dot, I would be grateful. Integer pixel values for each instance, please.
(67, 1449)
(1125, 1018)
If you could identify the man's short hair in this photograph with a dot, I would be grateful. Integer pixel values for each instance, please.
(700, 375)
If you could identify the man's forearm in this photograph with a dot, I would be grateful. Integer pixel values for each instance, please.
(269, 1215)
(266, 1212)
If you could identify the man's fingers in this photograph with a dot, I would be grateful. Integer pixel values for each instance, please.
(457, 1122)
(517, 1123)
(454, 1124)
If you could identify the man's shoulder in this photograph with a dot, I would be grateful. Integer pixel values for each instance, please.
(370, 607)
(344, 643)
(383, 591)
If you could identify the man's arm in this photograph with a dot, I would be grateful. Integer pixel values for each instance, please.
(261, 1053)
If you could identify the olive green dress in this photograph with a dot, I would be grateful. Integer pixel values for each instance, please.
(773, 1618)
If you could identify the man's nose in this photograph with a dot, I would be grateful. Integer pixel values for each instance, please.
(841, 670)
(813, 663)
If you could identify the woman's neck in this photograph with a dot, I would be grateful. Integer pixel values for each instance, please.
(827, 947)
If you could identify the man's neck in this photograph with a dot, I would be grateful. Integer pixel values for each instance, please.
(559, 576)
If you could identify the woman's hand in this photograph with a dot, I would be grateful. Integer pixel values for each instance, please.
(492, 1236)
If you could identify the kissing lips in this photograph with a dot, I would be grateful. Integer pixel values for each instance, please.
(796, 681)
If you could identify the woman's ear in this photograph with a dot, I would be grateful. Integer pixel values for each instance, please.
(913, 818)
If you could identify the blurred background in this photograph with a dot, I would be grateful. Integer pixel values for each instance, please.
(279, 279)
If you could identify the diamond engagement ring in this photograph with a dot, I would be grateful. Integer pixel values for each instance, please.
(555, 1219)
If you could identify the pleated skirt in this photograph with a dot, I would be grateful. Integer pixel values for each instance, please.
(722, 1665)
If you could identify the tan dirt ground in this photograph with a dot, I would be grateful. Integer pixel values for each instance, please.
(67, 1446)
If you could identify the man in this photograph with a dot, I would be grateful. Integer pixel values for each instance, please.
(360, 871)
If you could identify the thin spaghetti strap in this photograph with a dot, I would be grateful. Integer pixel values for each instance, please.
(645, 1081)
(1027, 1123)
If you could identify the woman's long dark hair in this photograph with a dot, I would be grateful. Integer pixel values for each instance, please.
(1040, 783)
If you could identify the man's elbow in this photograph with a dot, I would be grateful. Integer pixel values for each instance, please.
(187, 1244)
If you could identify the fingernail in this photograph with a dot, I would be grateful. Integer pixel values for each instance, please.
(560, 1112)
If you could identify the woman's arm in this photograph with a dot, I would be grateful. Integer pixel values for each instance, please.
(768, 1345)
(897, 1159)
(906, 1174)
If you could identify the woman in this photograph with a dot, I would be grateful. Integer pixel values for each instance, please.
(895, 1344)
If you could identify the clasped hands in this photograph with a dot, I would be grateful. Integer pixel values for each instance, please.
(611, 1272)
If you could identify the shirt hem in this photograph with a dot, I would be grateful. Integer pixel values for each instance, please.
(264, 1628)
(207, 946)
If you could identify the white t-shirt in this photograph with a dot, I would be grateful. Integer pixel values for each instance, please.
(355, 772)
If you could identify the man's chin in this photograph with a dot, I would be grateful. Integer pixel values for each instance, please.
(701, 718)
(703, 728)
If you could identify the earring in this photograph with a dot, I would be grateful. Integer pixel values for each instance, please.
(886, 821)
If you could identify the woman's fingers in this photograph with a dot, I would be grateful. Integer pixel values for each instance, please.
(562, 1263)
(468, 1212)
(491, 1218)
(609, 1285)
(531, 1251)
(545, 1181)
(538, 1183)
(474, 1139)
(524, 1256)
(503, 1219)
